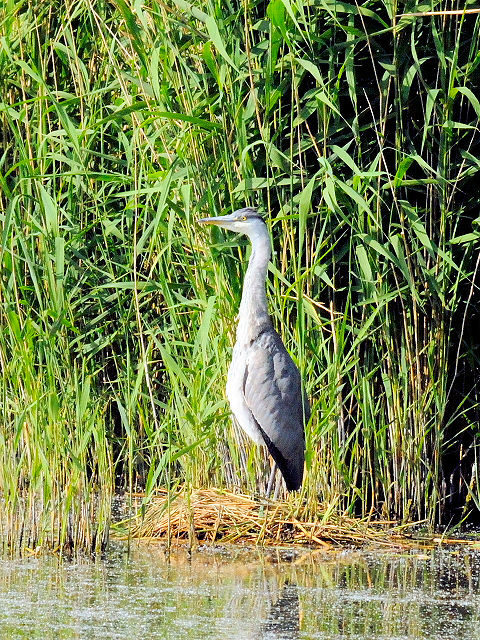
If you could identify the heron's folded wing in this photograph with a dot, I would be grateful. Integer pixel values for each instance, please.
(273, 393)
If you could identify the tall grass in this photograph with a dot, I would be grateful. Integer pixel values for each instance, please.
(356, 129)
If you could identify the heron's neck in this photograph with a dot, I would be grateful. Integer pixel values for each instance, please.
(253, 314)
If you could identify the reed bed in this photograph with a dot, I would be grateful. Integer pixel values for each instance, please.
(355, 128)
(34, 528)
(208, 516)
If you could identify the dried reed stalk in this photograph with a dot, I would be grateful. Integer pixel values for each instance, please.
(213, 515)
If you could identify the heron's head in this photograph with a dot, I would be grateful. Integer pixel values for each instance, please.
(247, 221)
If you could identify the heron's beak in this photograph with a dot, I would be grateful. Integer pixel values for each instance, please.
(220, 221)
(207, 221)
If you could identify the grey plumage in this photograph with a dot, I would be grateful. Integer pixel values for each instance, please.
(264, 386)
(273, 393)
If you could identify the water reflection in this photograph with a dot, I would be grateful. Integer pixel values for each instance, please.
(249, 595)
(284, 616)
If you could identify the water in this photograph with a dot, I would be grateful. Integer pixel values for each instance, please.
(244, 594)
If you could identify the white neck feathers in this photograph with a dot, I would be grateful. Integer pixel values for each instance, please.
(253, 314)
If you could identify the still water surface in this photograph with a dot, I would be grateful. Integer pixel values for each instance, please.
(238, 594)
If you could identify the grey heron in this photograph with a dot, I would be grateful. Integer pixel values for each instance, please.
(264, 387)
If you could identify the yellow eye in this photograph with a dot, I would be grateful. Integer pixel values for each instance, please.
(243, 218)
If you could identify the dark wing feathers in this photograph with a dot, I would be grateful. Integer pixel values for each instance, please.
(273, 393)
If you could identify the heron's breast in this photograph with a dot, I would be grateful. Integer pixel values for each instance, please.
(236, 398)
(236, 373)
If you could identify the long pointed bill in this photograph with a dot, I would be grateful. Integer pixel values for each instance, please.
(220, 221)
(206, 221)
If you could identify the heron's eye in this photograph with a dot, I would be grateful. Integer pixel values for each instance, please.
(243, 218)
